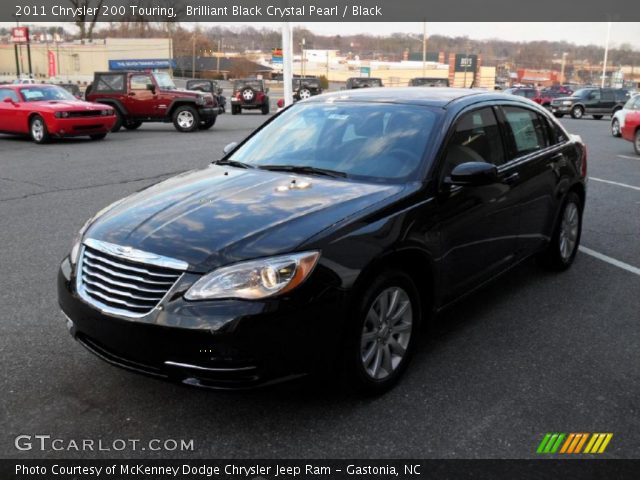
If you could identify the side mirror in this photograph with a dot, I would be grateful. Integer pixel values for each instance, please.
(266, 90)
(229, 147)
(151, 87)
(474, 174)
(8, 100)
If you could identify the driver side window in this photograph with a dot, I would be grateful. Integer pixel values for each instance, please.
(140, 82)
(476, 138)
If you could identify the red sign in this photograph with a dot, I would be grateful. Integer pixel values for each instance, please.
(20, 34)
(53, 66)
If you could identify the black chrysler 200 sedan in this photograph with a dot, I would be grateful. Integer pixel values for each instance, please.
(325, 238)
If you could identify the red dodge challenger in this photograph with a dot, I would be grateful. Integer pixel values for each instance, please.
(631, 129)
(46, 111)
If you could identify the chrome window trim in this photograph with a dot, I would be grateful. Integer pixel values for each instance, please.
(135, 255)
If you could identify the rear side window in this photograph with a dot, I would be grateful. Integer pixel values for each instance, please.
(110, 83)
(528, 131)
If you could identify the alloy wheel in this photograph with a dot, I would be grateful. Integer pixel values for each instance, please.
(304, 93)
(615, 128)
(386, 333)
(37, 130)
(185, 119)
(569, 231)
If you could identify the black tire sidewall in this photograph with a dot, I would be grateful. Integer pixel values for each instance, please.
(615, 122)
(119, 121)
(552, 257)
(45, 136)
(356, 376)
(636, 142)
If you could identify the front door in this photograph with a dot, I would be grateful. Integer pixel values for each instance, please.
(478, 224)
(141, 101)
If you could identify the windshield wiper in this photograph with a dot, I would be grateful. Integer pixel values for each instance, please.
(304, 169)
(233, 163)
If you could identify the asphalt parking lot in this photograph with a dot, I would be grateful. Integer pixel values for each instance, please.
(533, 353)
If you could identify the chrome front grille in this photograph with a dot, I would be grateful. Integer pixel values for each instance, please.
(122, 280)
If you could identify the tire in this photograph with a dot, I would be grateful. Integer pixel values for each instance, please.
(207, 124)
(577, 112)
(598, 117)
(236, 109)
(615, 128)
(132, 124)
(304, 93)
(119, 121)
(186, 118)
(98, 136)
(636, 142)
(265, 107)
(38, 130)
(376, 352)
(558, 115)
(560, 253)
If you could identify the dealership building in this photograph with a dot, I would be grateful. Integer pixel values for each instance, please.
(77, 61)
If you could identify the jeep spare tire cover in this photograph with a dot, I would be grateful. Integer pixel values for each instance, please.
(248, 94)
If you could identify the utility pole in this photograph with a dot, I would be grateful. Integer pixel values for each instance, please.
(424, 49)
(606, 52)
(219, 53)
(193, 56)
(302, 44)
(287, 63)
(564, 59)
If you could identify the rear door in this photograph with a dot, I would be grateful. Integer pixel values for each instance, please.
(535, 154)
(608, 101)
(478, 224)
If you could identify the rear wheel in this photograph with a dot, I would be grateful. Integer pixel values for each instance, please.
(598, 117)
(38, 130)
(265, 107)
(304, 93)
(186, 119)
(564, 243)
(132, 124)
(236, 109)
(577, 112)
(636, 142)
(615, 127)
(380, 341)
(98, 136)
(119, 120)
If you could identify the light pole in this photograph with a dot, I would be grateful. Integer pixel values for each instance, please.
(287, 63)
(606, 52)
(424, 48)
(564, 59)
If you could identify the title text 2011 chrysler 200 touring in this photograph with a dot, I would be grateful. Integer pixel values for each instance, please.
(325, 238)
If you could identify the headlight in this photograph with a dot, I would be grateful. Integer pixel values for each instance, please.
(77, 241)
(566, 102)
(61, 114)
(200, 100)
(106, 112)
(255, 279)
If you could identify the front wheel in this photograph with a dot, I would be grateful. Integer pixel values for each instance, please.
(132, 124)
(636, 142)
(380, 341)
(564, 243)
(38, 130)
(236, 109)
(265, 107)
(98, 136)
(615, 128)
(186, 119)
(577, 112)
(207, 124)
(118, 123)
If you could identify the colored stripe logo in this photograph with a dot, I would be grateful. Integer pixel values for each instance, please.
(572, 443)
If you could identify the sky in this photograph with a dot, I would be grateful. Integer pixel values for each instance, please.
(574, 32)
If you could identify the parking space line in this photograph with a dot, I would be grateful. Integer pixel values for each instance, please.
(614, 183)
(629, 157)
(610, 260)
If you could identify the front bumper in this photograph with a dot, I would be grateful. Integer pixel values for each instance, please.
(207, 113)
(76, 127)
(561, 108)
(227, 344)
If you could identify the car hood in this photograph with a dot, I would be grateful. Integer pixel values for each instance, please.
(221, 215)
(67, 105)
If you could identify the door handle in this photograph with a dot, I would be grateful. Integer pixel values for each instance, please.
(132, 94)
(511, 178)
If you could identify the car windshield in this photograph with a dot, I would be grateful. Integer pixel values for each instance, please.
(203, 85)
(369, 142)
(164, 81)
(583, 92)
(311, 82)
(44, 93)
(241, 84)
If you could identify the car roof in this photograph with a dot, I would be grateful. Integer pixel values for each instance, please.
(433, 97)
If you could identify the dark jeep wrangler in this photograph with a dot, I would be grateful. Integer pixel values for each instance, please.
(250, 94)
(152, 97)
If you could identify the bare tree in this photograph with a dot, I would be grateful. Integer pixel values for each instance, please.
(87, 23)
